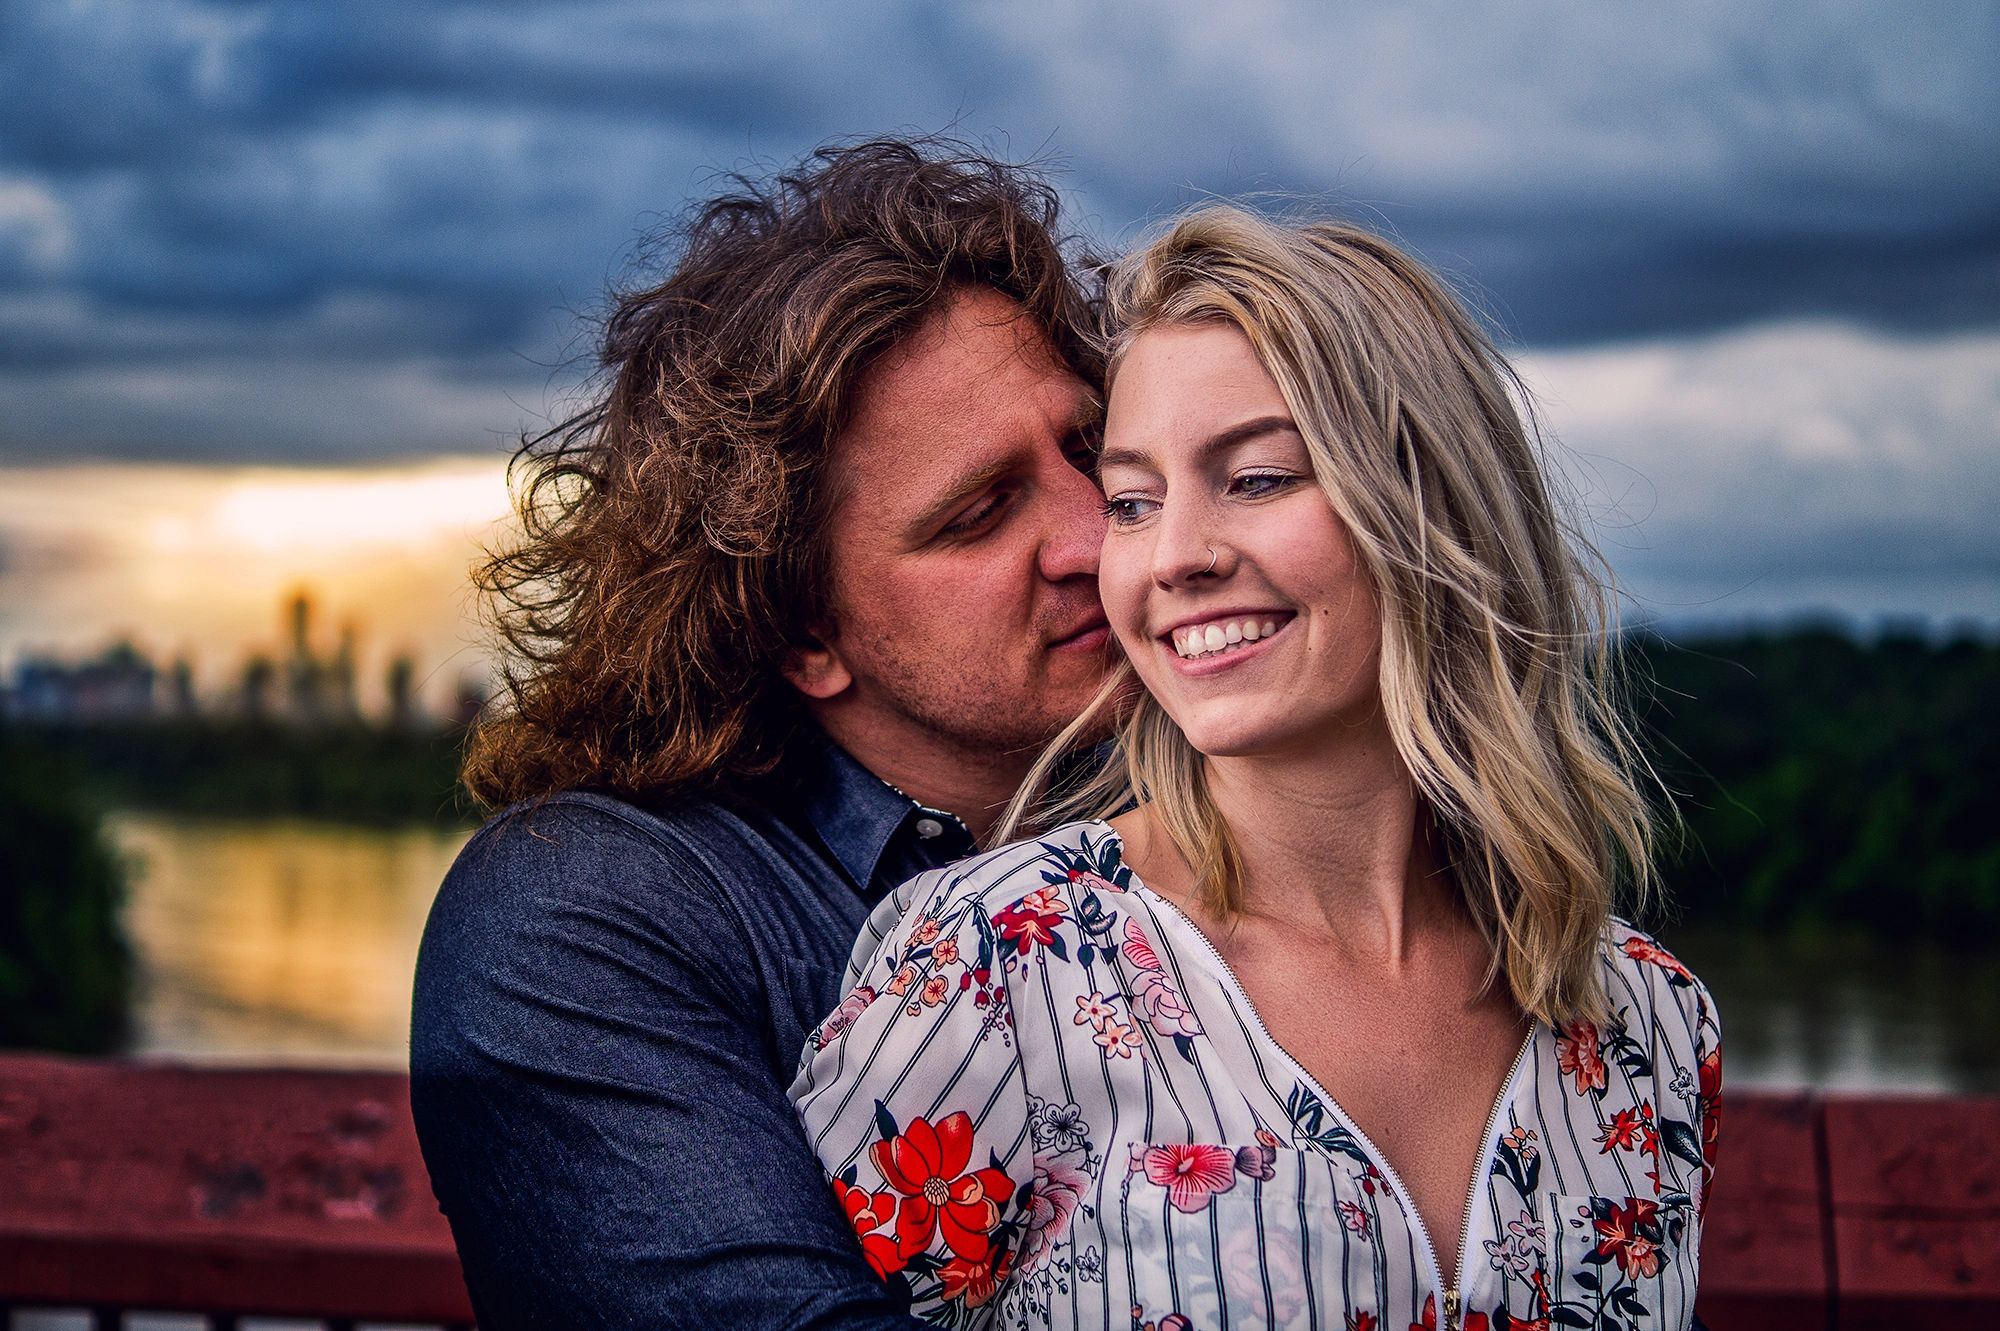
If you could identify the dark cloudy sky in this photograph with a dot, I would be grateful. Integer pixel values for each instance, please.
(1750, 251)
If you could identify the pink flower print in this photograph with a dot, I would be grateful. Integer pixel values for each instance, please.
(1191, 1174)
(1355, 1218)
(903, 979)
(1530, 1234)
(1271, 1293)
(1116, 1039)
(925, 933)
(1093, 1010)
(934, 990)
(1058, 1191)
(1046, 900)
(1138, 949)
(844, 1015)
(945, 952)
(1166, 1011)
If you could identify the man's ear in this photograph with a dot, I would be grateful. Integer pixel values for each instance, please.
(815, 669)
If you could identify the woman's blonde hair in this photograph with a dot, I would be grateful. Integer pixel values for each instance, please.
(1495, 672)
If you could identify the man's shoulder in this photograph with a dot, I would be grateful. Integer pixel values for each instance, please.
(588, 850)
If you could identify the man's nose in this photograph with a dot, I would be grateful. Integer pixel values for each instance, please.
(1073, 514)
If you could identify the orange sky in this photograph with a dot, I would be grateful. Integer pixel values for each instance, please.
(199, 560)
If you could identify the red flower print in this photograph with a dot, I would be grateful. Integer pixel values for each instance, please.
(1632, 1130)
(868, 1212)
(1031, 920)
(1191, 1174)
(1621, 1133)
(1578, 1055)
(1626, 1233)
(1710, 1102)
(1645, 949)
(1362, 1322)
(927, 1165)
(975, 1281)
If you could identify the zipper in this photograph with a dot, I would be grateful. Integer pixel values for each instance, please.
(1451, 1292)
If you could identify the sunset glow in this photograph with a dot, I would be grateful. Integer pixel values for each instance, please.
(197, 561)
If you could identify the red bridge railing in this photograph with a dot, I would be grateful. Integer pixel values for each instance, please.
(295, 1193)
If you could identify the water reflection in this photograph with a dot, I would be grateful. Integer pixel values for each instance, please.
(296, 940)
(1850, 1012)
(278, 939)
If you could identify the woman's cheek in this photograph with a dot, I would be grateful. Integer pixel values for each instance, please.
(1121, 587)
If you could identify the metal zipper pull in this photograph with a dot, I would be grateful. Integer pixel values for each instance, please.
(1451, 1309)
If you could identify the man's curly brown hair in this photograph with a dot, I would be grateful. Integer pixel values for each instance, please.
(670, 556)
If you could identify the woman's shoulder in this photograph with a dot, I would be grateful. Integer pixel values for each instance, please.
(1060, 865)
(1038, 880)
(1640, 970)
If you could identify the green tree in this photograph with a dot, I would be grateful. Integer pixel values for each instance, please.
(65, 967)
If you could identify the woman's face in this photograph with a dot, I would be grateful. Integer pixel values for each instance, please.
(1226, 575)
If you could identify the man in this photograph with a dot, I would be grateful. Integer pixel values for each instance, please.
(794, 605)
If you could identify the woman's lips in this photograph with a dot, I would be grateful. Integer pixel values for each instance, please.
(1231, 654)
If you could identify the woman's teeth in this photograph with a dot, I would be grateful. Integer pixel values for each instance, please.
(1211, 639)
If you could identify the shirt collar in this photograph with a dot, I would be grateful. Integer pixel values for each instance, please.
(859, 816)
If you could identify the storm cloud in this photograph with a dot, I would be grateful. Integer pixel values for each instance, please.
(308, 232)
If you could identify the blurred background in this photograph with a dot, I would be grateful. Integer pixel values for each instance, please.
(282, 284)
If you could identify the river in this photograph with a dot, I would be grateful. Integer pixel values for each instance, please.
(282, 941)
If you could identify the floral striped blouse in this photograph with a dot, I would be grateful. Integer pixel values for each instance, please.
(1047, 1101)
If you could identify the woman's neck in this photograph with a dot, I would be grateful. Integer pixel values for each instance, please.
(1333, 843)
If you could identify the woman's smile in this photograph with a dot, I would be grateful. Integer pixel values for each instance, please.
(1216, 642)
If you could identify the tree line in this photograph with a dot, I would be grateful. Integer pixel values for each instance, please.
(1818, 780)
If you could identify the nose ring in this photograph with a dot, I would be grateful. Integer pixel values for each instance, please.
(1211, 560)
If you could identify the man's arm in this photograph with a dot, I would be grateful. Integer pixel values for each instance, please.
(595, 1102)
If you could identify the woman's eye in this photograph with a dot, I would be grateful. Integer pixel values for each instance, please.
(1256, 484)
(1123, 510)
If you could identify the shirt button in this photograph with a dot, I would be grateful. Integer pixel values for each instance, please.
(929, 827)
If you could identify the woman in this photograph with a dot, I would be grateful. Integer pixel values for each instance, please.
(1333, 1025)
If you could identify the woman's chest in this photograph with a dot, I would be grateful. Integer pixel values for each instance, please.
(1199, 1170)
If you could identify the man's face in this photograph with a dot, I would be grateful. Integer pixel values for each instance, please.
(964, 542)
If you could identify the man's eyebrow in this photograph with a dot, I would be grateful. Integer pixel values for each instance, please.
(1089, 414)
(957, 491)
(1215, 443)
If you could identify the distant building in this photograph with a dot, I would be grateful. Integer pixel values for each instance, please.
(318, 688)
(119, 685)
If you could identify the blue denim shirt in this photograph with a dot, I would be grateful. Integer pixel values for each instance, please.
(610, 1002)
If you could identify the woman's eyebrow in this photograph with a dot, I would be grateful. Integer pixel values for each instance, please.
(1215, 443)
